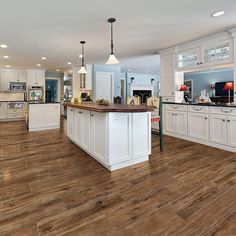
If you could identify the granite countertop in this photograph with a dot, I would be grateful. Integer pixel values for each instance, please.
(202, 104)
(110, 108)
(32, 103)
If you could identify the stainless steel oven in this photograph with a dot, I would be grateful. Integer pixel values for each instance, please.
(35, 94)
(18, 86)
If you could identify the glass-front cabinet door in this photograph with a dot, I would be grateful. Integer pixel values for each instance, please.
(188, 58)
(217, 53)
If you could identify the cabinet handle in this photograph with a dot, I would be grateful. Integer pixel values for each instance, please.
(226, 111)
(228, 120)
(173, 114)
(205, 118)
(80, 112)
(173, 93)
(175, 107)
(198, 63)
(91, 114)
(197, 109)
(201, 63)
(223, 120)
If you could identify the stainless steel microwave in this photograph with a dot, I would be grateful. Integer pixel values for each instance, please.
(17, 86)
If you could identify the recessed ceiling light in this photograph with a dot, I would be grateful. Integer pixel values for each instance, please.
(44, 58)
(69, 63)
(57, 70)
(38, 65)
(80, 56)
(3, 45)
(7, 66)
(6, 57)
(218, 13)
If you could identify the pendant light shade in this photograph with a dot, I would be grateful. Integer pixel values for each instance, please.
(112, 60)
(82, 69)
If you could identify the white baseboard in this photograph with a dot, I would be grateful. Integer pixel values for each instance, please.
(33, 129)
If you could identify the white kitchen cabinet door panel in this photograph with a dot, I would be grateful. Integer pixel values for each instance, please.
(22, 76)
(5, 80)
(52, 114)
(13, 76)
(218, 129)
(70, 123)
(167, 65)
(85, 125)
(37, 112)
(99, 136)
(119, 137)
(141, 134)
(78, 126)
(169, 123)
(3, 110)
(181, 123)
(231, 131)
(198, 125)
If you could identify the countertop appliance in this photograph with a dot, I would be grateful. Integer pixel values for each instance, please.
(15, 105)
(18, 86)
(35, 93)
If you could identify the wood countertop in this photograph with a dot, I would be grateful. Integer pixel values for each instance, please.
(110, 108)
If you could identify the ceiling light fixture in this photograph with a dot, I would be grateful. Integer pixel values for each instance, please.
(44, 58)
(218, 13)
(8, 66)
(80, 56)
(38, 65)
(69, 63)
(82, 69)
(112, 59)
(6, 57)
(3, 45)
(57, 70)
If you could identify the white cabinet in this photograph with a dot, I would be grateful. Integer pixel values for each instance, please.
(70, 123)
(218, 129)
(120, 125)
(18, 76)
(13, 76)
(205, 54)
(52, 114)
(99, 136)
(231, 130)
(198, 125)
(35, 77)
(36, 116)
(176, 121)
(86, 79)
(4, 80)
(188, 59)
(3, 110)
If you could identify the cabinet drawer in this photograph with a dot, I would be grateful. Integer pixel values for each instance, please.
(168, 99)
(176, 107)
(15, 111)
(15, 115)
(223, 110)
(199, 109)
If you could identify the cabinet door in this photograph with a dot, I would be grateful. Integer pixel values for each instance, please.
(41, 78)
(141, 135)
(37, 116)
(14, 76)
(85, 136)
(167, 86)
(217, 53)
(99, 136)
(119, 137)
(198, 125)
(3, 110)
(188, 59)
(181, 126)
(70, 123)
(31, 78)
(167, 66)
(89, 77)
(231, 131)
(52, 115)
(22, 76)
(169, 122)
(5, 80)
(218, 129)
(78, 123)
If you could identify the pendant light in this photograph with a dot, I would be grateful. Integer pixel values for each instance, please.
(82, 69)
(112, 59)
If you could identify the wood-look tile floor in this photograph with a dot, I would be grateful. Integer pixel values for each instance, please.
(48, 186)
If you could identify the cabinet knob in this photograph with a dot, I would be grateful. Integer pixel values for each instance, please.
(205, 118)
(198, 63)
(173, 114)
(91, 114)
(228, 120)
(201, 63)
(223, 120)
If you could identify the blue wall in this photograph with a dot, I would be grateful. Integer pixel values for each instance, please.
(141, 79)
(203, 80)
(113, 69)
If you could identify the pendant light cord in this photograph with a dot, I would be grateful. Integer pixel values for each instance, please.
(82, 54)
(112, 42)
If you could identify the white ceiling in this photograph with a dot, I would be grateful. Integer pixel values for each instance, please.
(53, 28)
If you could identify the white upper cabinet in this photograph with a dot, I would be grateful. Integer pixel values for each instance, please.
(188, 58)
(85, 80)
(4, 80)
(35, 77)
(205, 54)
(218, 53)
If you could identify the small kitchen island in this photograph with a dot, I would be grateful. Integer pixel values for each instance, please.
(116, 135)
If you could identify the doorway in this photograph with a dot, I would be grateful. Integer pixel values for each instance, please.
(51, 90)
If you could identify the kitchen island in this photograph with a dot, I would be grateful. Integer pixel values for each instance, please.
(43, 116)
(116, 135)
